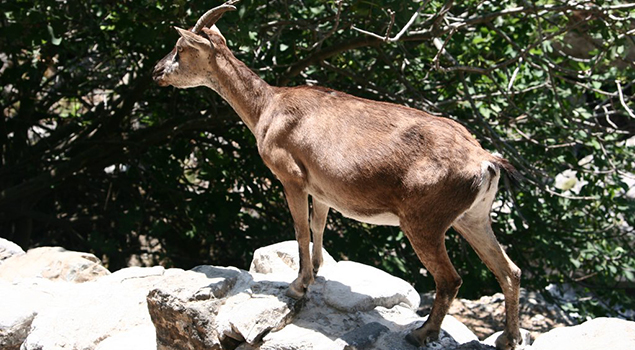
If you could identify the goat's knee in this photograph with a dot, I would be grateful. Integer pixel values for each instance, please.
(449, 287)
(516, 275)
(511, 282)
(456, 284)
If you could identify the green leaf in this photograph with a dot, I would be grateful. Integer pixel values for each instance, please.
(478, 39)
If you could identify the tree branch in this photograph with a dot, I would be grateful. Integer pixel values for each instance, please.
(619, 90)
(387, 38)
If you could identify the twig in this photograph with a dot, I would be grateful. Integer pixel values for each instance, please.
(332, 30)
(511, 80)
(404, 81)
(441, 50)
(410, 22)
(325, 53)
(562, 145)
(608, 118)
(390, 24)
(496, 139)
(619, 90)
(523, 52)
(387, 38)
(526, 137)
(586, 198)
(368, 33)
(381, 92)
(492, 94)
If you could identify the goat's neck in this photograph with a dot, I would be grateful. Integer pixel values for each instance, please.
(243, 89)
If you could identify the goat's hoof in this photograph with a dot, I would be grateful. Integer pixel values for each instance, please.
(411, 339)
(315, 271)
(419, 337)
(295, 292)
(506, 342)
(316, 266)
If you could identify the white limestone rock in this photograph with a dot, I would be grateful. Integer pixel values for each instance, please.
(16, 315)
(293, 337)
(53, 263)
(282, 258)
(83, 315)
(599, 333)
(20, 304)
(211, 307)
(8, 249)
(142, 337)
(350, 306)
(525, 335)
(354, 287)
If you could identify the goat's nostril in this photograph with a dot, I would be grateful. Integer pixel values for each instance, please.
(157, 73)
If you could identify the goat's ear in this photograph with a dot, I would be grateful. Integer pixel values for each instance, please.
(192, 39)
(214, 32)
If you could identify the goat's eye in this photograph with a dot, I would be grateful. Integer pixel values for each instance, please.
(179, 49)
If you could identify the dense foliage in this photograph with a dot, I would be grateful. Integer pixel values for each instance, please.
(95, 157)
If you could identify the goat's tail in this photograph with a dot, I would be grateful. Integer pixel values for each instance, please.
(514, 176)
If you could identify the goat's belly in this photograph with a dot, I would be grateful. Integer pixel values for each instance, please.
(388, 219)
(385, 218)
(357, 210)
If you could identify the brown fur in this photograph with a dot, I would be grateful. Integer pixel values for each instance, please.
(374, 161)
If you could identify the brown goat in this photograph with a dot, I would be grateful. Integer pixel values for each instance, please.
(375, 162)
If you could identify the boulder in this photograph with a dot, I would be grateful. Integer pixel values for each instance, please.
(486, 316)
(282, 258)
(31, 283)
(349, 306)
(14, 327)
(52, 263)
(8, 249)
(17, 314)
(525, 335)
(83, 315)
(138, 338)
(294, 337)
(363, 337)
(352, 286)
(211, 307)
(453, 334)
(599, 333)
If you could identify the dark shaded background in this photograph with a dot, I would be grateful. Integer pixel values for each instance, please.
(95, 157)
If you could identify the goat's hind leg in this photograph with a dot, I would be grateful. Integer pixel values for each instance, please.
(476, 228)
(429, 244)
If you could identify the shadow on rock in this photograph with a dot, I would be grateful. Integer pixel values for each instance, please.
(349, 306)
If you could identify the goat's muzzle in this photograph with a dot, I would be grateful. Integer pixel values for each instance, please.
(158, 76)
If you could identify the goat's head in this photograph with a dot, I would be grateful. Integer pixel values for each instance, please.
(188, 64)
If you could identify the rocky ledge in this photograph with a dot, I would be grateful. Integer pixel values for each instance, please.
(52, 299)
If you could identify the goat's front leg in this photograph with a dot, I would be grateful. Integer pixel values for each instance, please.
(318, 221)
(298, 203)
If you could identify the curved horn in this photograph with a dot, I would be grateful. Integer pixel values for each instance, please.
(210, 17)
